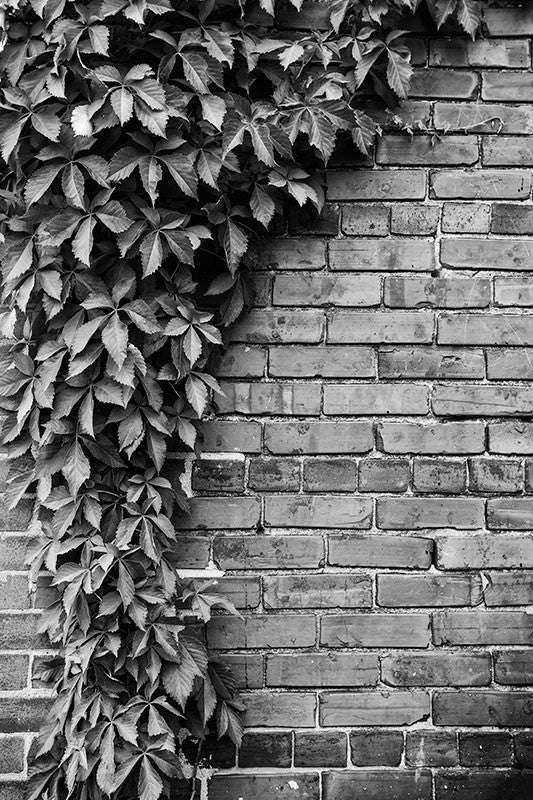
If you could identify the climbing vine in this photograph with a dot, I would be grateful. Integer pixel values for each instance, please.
(146, 146)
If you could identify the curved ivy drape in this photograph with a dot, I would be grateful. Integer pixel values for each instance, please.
(145, 145)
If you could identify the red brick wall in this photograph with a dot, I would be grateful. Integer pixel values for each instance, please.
(368, 483)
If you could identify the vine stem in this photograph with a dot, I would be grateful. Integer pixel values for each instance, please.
(192, 795)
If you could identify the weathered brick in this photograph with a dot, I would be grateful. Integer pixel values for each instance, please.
(318, 591)
(19, 632)
(266, 750)
(247, 669)
(378, 785)
(318, 437)
(421, 292)
(274, 474)
(513, 667)
(278, 710)
(506, 151)
(415, 219)
(313, 14)
(452, 438)
(406, 513)
(406, 184)
(20, 714)
(285, 630)
(15, 550)
(481, 401)
(431, 749)
(387, 327)
(449, 83)
(266, 326)
(12, 790)
(480, 53)
(464, 253)
(295, 786)
(431, 590)
(496, 329)
(510, 513)
(375, 398)
(366, 220)
(242, 592)
(330, 474)
(476, 709)
(483, 118)
(424, 150)
(221, 512)
(509, 364)
(15, 519)
(481, 184)
(225, 475)
(430, 362)
(439, 476)
(305, 220)
(328, 362)
(517, 21)
(485, 749)
(292, 254)
(523, 746)
(268, 552)
(484, 551)
(507, 86)
(482, 627)
(327, 290)
(12, 750)
(192, 551)
(380, 551)
(511, 437)
(381, 748)
(415, 114)
(373, 708)
(484, 785)
(384, 474)
(375, 630)
(529, 475)
(14, 670)
(515, 220)
(324, 749)
(436, 669)
(14, 591)
(318, 511)
(271, 399)
(384, 255)
(260, 289)
(466, 217)
(322, 669)
(495, 475)
(231, 437)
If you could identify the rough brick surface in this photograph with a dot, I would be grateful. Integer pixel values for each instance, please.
(367, 483)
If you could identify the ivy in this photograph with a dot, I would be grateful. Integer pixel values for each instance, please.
(147, 144)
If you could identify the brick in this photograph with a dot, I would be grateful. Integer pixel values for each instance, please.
(482, 708)
(406, 184)
(493, 551)
(318, 591)
(260, 289)
(523, 745)
(418, 49)
(11, 790)
(436, 669)
(247, 670)
(511, 219)
(231, 437)
(296, 786)
(482, 627)
(370, 399)
(430, 362)
(485, 749)
(225, 475)
(12, 750)
(516, 21)
(437, 83)
(242, 592)
(422, 150)
(318, 511)
(381, 327)
(421, 292)
(373, 708)
(13, 672)
(324, 749)
(510, 513)
(480, 53)
(366, 220)
(278, 710)
(270, 399)
(378, 785)
(322, 669)
(506, 151)
(514, 668)
(382, 255)
(483, 118)
(501, 254)
(286, 630)
(266, 750)
(19, 714)
(481, 401)
(498, 329)
(19, 632)
(511, 437)
(507, 86)
(327, 290)
(15, 519)
(384, 474)
(439, 476)
(415, 114)
(372, 550)
(415, 219)
(483, 785)
(375, 630)
(452, 438)
(327, 362)
(509, 364)
(14, 591)
(529, 475)
(304, 220)
(481, 184)
(431, 749)
(15, 551)
(313, 14)
(407, 513)
(379, 748)
(412, 591)
(221, 512)
(495, 475)
(466, 217)
(265, 326)
(292, 254)
(268, 552)
(192, 551)
(319, 437)
(274, 474)
(332, 474)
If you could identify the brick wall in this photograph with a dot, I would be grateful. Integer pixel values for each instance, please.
(368, 483)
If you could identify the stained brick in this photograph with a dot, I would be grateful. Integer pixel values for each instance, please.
(482, 708)
(466, 217)
(279, 326)
(318, 511)
(278, 710)
(225, 475)
(318, 591)
(366, 220)
(498, 329)
(424, 150)
(378, 327)
(512, 220)
(20, 714)
(327, 290)
(231, 437)
(480, 53)
(375, 630)
(370, 550)
(274, 474)
(485, 749)
(508, 86)
(408, 184)
(496, 551)
(318, 437)
(384, 474)
(285, 630)
(268, 552)
(246, 669)
(482, 627)
(482, 401)
(385, 255)
(509, 364)
(266, 750)
(481, 184)
(451, 438)
(327, 362)
(376, 748)
(407, 513)
(510, 513)
(433, 83)
(330, 474)
(373, 708)
(513, 667)
(322, 669)
(511, 21)
(270, 399)
(495, 475)
(431, 749)
(430, 362)
(484, 785)
(437, 292)
(14, 591)
(511, 437)
(506, 151)
(13, 671)
(370, 399)
(439, 476)
(431, 590)
(324, 749)
(296, 786)
(221, 512)
(292, 254)
(508, 254)
(378, 785)
(436, 669)
(415, 219)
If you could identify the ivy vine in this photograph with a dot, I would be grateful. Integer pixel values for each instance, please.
(146, 145)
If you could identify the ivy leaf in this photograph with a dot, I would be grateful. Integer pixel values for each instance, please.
(399, 72)
(150, 784)
(115, 339)
(469, 15)
(213, 109)
(196, 392)
(262, 206)
(76, 468)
